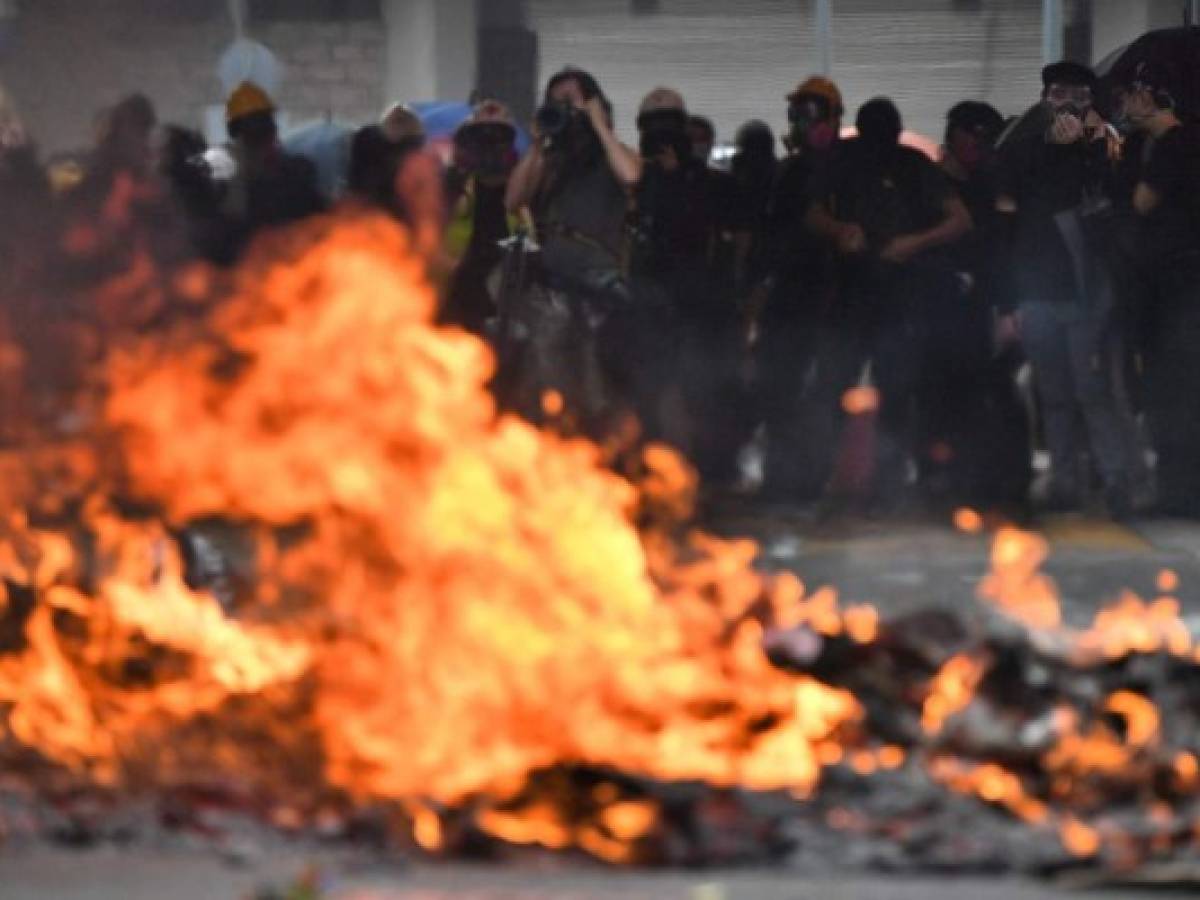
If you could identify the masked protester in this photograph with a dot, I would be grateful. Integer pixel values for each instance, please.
(124, 154)
(681, 211)
(885, 209)
(271, 187)
(974, 431)
(484, 156)
(788, 275)
(703, 135)
(679, 265)
(402, 126)
(1055, 185)
(576, 182)
(182, 163)
(1166, 201)
(25, 201)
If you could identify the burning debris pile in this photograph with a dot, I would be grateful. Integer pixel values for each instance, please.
(1087, 734)
(282, 539)
(278, 551)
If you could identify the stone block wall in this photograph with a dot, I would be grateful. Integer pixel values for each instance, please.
(67, 59)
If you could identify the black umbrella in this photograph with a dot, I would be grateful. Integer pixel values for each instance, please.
(1176, 49)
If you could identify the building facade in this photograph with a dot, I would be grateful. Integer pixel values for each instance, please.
(63, 60)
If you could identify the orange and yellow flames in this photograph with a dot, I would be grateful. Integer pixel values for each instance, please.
(1116, 741)
(430, 605)
(440, 601)
(1016, 583)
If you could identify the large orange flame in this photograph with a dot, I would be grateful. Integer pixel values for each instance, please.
(442, 601)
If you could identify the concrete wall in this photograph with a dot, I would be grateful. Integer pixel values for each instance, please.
(69, 58)
(431, 49)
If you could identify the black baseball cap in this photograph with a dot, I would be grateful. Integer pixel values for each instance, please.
(976, 116)
(1069, 73)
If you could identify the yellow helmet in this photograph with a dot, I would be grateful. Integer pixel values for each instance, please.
(248, 98)
(821, 87)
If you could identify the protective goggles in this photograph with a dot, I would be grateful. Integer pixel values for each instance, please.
(808, 108)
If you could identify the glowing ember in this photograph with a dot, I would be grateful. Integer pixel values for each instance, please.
(968, 521)
(1167, 581)
(861, 400)
(1016, 583)
(951, 691)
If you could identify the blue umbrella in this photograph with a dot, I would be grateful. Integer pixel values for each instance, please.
(441, 119)
(327, 145)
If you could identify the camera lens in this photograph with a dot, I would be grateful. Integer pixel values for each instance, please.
(553, 118)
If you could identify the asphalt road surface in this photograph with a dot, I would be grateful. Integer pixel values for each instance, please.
(897, 565)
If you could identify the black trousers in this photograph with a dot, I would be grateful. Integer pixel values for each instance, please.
(1172, 364)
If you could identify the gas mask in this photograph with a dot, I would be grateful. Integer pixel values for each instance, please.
(1069, 99)
(486, 149)
(810, 123)
(969, 148)
(663, 129)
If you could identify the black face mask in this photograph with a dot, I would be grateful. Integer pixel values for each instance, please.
(485, 148)
(663, 129)
(657, 140)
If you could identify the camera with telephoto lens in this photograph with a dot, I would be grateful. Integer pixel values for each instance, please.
(554, 118)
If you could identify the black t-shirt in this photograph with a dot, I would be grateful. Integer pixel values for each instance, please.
(793, 253)
(678, 213)
(1172, 230)
(1047, 180)
(284, 191)
(889, 193)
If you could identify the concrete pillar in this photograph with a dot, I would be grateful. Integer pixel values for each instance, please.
(824, 30)
(431, 49)
(1052, 31)
(508, 55)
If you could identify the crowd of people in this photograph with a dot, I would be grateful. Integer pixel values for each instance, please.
(891, 328)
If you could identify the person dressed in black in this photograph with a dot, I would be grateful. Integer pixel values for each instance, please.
(25, 201)
(790, 271)
(975, 442)
(703, 135)
(884, 207)
(680, 271)
(576, 182)
(271, 187)
(1055, 199)
(188, 176)
(1167, 202)
(484, 156)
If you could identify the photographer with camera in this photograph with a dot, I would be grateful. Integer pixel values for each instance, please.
(484, 156)
(575, 178)
(575, 181)
(1055, 185)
